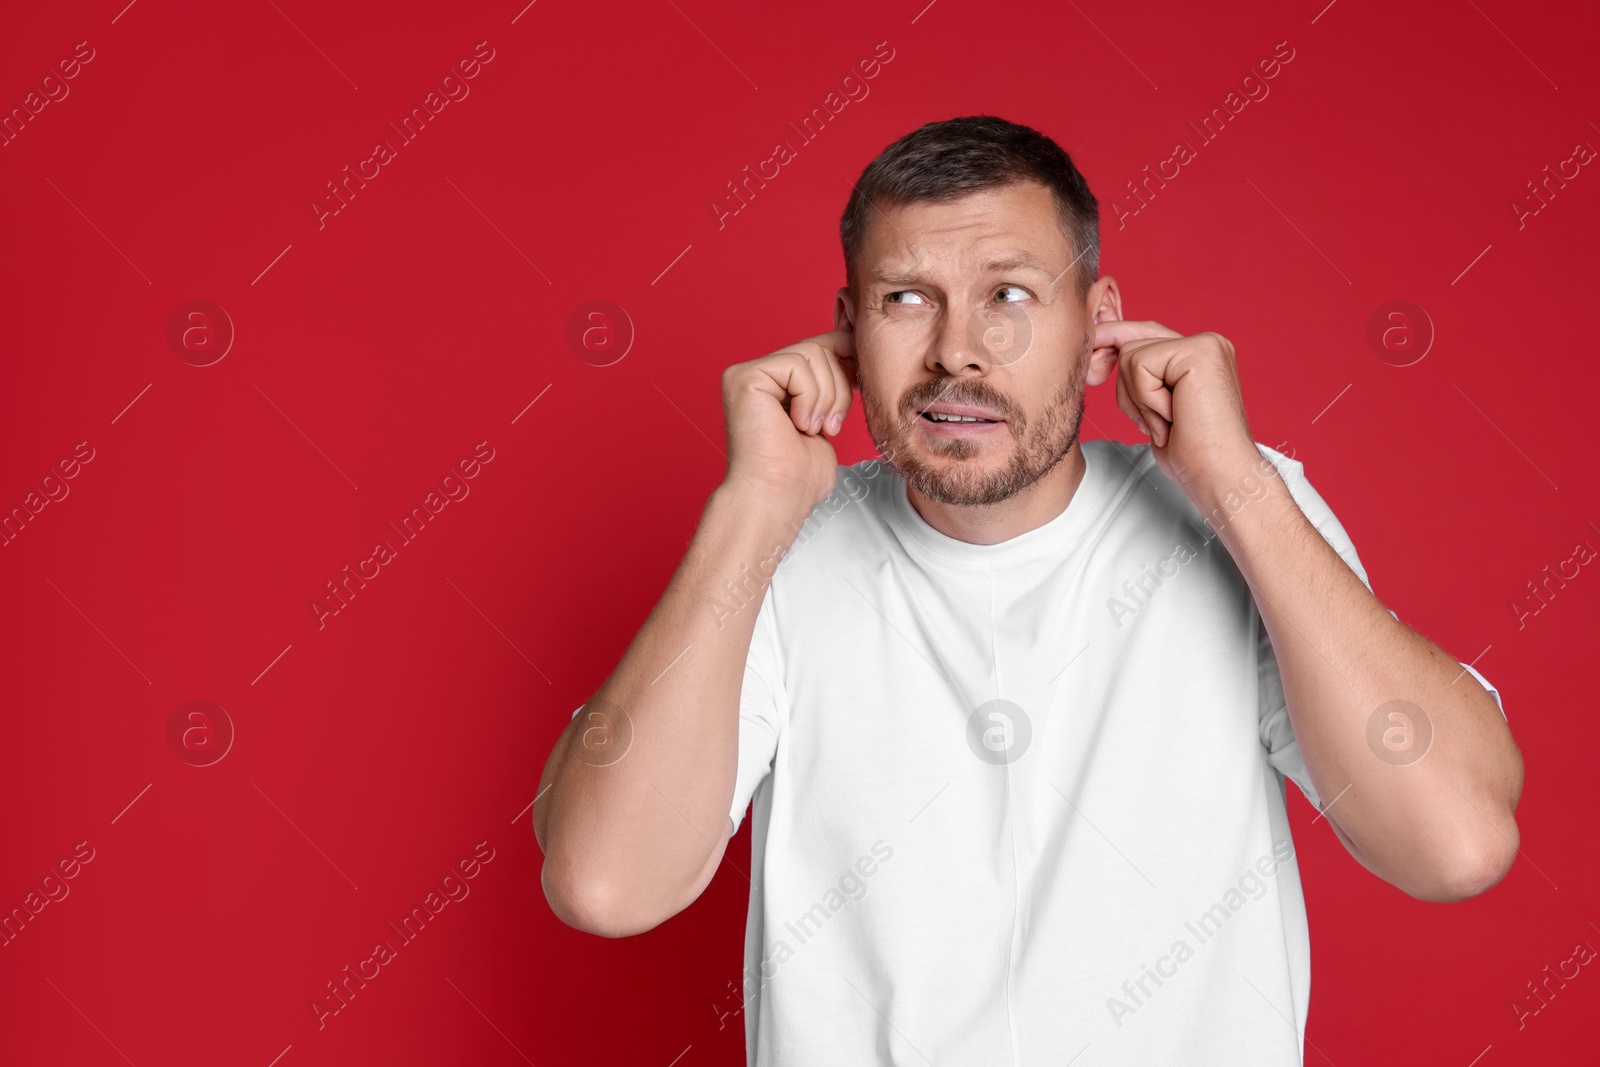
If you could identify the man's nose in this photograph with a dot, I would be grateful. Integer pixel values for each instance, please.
(954, 349)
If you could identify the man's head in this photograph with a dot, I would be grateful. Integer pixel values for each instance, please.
(972, 263)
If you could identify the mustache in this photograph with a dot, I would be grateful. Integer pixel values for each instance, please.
(956, 391)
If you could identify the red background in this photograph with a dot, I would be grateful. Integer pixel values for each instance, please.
(373, 353)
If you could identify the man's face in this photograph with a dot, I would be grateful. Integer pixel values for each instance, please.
(968, 307)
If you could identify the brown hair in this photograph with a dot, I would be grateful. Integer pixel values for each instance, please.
(948, 159)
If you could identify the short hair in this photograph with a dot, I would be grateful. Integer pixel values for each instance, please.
(951, 158)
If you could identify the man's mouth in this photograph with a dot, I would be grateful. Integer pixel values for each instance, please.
(946, 420)
(944, 412)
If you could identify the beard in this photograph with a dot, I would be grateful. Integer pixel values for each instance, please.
(947, 477)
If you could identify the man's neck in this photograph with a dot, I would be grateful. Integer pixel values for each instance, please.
(1028, 510)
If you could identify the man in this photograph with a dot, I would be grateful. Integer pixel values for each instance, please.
(1015, 710)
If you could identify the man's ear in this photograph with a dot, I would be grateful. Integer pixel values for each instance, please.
(844, 318)
(1105, 305)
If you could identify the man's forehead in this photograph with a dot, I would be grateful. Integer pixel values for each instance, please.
(1008, 229)
(923, 262)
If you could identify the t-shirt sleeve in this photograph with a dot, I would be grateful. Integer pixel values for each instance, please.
(760, 710)
(1277, 732)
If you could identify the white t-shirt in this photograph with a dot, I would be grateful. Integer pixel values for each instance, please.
(1011, 810)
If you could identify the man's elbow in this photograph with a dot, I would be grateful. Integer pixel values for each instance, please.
(591, 907)
(1475, 867)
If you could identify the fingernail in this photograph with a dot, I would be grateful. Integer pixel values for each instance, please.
(835, 421)
(1142, 427)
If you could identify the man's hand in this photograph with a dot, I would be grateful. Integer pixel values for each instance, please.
(1184, 393)
(779, 409)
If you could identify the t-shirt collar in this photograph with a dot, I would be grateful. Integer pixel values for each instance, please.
(1053, 538)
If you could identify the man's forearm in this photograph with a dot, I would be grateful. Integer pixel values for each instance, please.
(1440, 827)
(633, 803)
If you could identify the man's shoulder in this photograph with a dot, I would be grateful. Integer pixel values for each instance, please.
(852, 519)
(1127, 461)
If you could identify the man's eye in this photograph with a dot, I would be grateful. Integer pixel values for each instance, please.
(903, 296)
(1012, 288)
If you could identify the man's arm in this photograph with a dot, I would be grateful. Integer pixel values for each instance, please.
(632, 836)
(1439, 828)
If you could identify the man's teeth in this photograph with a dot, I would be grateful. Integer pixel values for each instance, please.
(939, 416)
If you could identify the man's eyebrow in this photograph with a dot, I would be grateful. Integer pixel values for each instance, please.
(1019, 261)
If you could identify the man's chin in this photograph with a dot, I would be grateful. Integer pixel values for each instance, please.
(967, 482)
